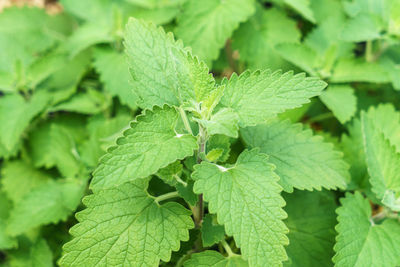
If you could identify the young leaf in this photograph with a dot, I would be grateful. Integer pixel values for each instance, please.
(206, 25)
(48, 203)
(340, 99)
(302, 160)
(361, 242)
(152, 142)
(224, 121)
(382, 160)
(111, 64)
(260, 95)
(311, 222)
(163, 71)
(211, 258)
(126, 226)
(246, 198)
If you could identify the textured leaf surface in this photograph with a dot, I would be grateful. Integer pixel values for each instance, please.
(212, 258)
(311, 222)
(152, 142)
(111, 64)
(382, 159)
(246, 198)
(124, 226)
(260, 95)
(163, 71)
(302, 160)
(206, 25)
(224, 121)
(340, 99)
(360, 242)
(47, 203)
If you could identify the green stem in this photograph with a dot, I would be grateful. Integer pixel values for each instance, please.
(166, 196)
(185, 120)
(227, 248)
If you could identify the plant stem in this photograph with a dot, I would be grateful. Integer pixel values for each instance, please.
(227, 248)
(166, 196)
(185, 120)
(198, 210)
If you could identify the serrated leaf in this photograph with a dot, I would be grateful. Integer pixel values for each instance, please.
(125, 226)
(18, 178)
(303, 160)
(246, 198)
(151, 143)
(311, 222)
(256, 39)
(224, 121)
(163, 71)
(50, 202)
(212, 258)
(340, 99)
(382, 160)
(169, 173)
(211, 233)
(361, 242)
(22, 111)
(261, 95)
(111, 64)
(205, 26)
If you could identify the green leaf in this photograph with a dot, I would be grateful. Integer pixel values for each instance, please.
(303, 160)
(55, 143)
(246, 198)
(361, 242)
(224, 121)
(6, 241)
(186, 192)
(103, 132)
(361, 28)
(169, 173)
(125, 226)
(50, 202)
(163, 71)
(111, 64)
(211, 233)
(382, 160)
(300, 55)
(210, 258)
(340, 99)
(88, 35)
(257, 38)
(35, 253)
(152, 142)
(357, 70)
(303, 7)
(311, 222)
(18, 178)
(261, 95)
(205, 26)
(22, 112)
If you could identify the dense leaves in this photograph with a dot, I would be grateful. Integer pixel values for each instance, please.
(200, 133)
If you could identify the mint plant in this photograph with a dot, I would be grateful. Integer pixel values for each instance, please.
(186, 133)
(183, 109)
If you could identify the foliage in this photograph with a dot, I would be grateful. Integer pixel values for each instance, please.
(200, 133)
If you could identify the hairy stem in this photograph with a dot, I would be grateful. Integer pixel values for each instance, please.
(185, 120)
(166, 196)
